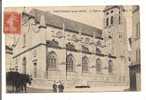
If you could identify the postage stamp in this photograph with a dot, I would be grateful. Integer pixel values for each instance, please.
(12, 22)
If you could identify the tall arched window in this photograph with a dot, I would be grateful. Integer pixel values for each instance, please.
(107, 21)
(110, 65)
(52, 60)
(112, 21)
(69, 63)
(119, 17)
(24, 65)
(98, 65)
(85, 64)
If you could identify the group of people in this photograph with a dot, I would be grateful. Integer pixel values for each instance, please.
(18, 81)
(58, 86)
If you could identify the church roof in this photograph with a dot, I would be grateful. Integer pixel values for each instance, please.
(70, 25)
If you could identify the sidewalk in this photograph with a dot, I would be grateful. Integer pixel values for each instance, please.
(98, 89)
(80, 90)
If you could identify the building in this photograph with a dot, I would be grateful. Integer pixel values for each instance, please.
(135, 73)
(9, 60)
(56, 48)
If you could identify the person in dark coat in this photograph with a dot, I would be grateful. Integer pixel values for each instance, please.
(54, 87)
(60, 87)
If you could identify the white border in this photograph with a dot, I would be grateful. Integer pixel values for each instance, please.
(76, 96)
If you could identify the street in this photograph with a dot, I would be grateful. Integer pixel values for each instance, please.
(79, 90)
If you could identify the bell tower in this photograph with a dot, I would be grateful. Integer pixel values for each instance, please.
(114, 31)
(115, 37)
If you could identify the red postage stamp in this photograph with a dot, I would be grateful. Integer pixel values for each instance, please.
(12, 22)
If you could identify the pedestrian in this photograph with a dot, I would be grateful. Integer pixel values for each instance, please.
(54, 87)
(57, 86)
(60, 87)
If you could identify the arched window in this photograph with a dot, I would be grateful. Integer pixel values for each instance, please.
(110, 65)
(85, 64)
(52, 60)
(69, 63)
(24, 65)
(119, 19)
(111, 20)
(98, 65)
(107, 20)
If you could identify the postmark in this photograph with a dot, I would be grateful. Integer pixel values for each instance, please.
(12, 22)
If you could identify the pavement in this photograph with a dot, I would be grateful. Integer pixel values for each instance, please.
(30, 90)
(98, 89)
(77, 90)
(36, 90)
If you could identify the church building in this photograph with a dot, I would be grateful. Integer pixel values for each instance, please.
(53, 48)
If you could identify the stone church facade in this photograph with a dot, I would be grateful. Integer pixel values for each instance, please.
(56, 48)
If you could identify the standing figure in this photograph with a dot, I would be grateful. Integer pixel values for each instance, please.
(54, 87)
(60, 87)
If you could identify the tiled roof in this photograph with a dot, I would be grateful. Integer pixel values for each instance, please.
(58, 21)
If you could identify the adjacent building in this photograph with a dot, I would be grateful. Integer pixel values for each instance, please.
(135, 73)
(9, 60)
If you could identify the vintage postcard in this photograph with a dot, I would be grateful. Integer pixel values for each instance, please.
(72, 49)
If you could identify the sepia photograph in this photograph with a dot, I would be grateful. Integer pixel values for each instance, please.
(72, 49)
